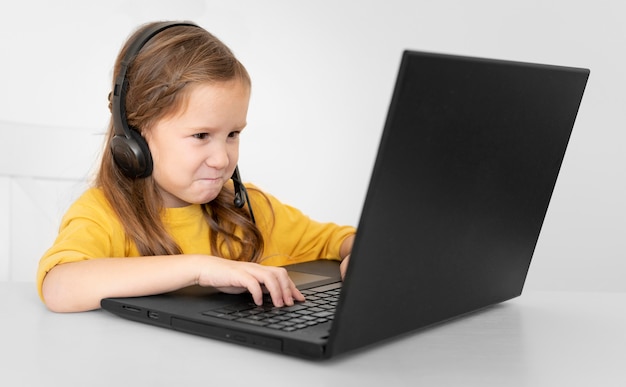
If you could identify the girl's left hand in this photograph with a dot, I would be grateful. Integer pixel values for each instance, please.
(343, 267)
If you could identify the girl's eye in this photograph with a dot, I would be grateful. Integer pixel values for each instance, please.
(201, 136)
(233, 134)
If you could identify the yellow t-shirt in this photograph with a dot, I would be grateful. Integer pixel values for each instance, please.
(90, 229)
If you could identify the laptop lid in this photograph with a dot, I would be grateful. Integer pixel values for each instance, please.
(466, 166)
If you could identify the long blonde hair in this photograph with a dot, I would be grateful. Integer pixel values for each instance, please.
(159, 78)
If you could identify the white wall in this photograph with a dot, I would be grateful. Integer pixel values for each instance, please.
(323, 73)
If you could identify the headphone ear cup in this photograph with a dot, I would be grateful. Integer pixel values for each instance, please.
(132, 155)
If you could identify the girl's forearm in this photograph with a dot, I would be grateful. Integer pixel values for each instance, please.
(79, 286)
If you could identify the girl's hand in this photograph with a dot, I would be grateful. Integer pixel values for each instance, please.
(236, 277)
(344, 266)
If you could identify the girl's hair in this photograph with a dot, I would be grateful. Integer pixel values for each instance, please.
(159, 78)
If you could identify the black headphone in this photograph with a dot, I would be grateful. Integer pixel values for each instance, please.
(130, 150)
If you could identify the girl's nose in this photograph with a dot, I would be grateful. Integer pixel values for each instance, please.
(217, 157)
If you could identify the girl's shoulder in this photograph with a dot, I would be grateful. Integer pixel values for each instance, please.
(261, 198)
(93, 198)
(91, 204)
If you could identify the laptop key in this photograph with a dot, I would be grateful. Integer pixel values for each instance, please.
(252, 322)
(224, 316)
(293, 308)
(323, 314)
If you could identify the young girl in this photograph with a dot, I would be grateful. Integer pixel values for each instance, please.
(163, 213)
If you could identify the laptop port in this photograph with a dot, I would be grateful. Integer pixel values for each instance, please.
(131, 308)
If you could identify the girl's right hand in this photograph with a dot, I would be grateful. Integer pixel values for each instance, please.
(236, 277)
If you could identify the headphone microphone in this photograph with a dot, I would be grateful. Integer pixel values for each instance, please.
(241, 193)
(239, 189)
(129, 149)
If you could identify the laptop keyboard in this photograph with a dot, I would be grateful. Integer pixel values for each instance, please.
(319, 307)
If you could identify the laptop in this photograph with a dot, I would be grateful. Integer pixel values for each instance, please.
(466, 166)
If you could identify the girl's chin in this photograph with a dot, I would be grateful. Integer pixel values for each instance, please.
(193, 198)
(205, 195)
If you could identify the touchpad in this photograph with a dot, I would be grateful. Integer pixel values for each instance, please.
(308, 279)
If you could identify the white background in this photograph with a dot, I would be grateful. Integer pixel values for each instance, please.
(323, 73)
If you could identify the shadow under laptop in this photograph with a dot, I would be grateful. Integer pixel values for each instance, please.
(486, 345)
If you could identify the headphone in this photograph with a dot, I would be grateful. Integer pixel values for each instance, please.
(129, 149)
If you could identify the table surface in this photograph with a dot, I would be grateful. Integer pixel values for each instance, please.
(538, 339)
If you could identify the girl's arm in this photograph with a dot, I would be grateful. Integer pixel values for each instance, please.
(79, 286)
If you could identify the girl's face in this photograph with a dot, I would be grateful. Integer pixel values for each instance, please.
(195, 151)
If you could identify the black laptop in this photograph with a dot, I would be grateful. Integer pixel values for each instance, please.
(466, 166)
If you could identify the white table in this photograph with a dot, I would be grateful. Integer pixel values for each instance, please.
(538, 339)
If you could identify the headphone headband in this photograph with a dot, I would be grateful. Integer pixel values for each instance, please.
(121, 82)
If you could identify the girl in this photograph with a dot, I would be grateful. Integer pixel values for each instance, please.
(163, 213)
